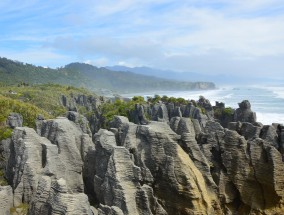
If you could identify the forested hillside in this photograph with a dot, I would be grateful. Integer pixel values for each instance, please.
(90, 77)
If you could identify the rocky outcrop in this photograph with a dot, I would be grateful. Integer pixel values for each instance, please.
(89, 102)
(174, 165)
(160, 113)
(246, 129)
(244, 113)
(138, 115)
(81, 121)
(148, 159)
(14, 120)
(46, 172)
(185, 127)
(205, 103)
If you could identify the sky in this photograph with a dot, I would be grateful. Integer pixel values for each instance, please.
(240, 37)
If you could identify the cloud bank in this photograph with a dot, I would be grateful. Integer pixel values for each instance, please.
(205, 36)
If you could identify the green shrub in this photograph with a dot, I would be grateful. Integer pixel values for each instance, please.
(24, 207)
(219, 112)
(138, 99)
(3, 181)
(5, 133)
(28, 111)
(228, 111)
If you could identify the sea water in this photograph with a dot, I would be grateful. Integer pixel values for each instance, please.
(267, 102)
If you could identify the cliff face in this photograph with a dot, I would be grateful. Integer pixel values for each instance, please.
(174, 165)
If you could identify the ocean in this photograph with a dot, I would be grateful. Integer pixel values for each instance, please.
(266, 101)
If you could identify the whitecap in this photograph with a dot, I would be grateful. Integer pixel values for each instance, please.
(269, 118)
(278, 91)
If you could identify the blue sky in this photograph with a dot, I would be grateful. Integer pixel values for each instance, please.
(207, 36)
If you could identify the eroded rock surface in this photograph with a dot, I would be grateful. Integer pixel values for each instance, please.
(159, 175)
(174, 165)
(6, 199)
(47, 173)
(244, 113)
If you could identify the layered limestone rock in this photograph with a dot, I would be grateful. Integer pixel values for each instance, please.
(148, 156)
(185, 127)
(255, 168)
(6, 199)
(160, 113)
(138, 115)
(53, 197)
(48, 174)
(115, 180)
(244, 113)
(174, 165)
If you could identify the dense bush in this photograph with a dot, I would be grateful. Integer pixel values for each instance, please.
(28, 111)
(227, 112)
(120, 108)
(3, 181)
(44, 96)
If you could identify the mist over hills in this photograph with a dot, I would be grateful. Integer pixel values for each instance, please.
(91, 77)
(219, 79)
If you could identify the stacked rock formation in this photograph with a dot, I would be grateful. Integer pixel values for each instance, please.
(182, 164)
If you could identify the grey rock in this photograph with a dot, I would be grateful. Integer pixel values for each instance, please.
(177, 112)
(113, 171)
(248, 168)
(171, 110)
(212, 126)
(14, 120)
(25, 164)
(6, 199)
(106, 210)
(52, 197)
(158, 153)
(4, 152)
(185, 128)
(191, 111)
(269, 134)
(205, 103)
(72, 144)
(160, 113)
(249, 131)
(80, 120)
(235, 126)
(244, 113)
(48, 174)
(139, 115)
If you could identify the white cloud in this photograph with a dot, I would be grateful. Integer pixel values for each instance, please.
(190, 35)
(38, 57)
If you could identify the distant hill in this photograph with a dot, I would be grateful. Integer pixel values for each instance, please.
(169, 74)
(91, 77)
(219, 79)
